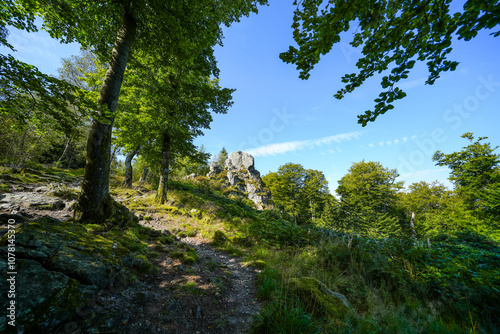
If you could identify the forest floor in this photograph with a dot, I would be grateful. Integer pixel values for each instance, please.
(215, 294)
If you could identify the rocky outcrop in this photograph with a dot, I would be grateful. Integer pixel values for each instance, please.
(56, 268)
(242, 179)
(25, 200)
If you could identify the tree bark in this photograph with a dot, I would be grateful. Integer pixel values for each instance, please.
(412, 225)
(144, 175)
(165, 162)
(113, 156)
(95, 202)
(65, 151)
(127, 182)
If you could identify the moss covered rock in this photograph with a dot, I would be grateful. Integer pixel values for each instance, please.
(59, 266)
(219, 238)
(44, 298)
(318, 299)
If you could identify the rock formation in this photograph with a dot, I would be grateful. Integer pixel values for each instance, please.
(242, 179)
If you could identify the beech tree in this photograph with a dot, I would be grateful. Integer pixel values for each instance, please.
(297, 192)
(368, 200)
(166, 107)
(475, 172)
(165, 29)
(393, 35)
(24, 88)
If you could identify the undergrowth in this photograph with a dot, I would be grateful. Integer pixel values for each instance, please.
(448, 284)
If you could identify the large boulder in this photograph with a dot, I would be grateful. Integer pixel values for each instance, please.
(58, 266)
(25, 200)
(242, 179)
(240, 160)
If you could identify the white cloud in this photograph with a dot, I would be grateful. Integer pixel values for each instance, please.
(405, 139)
(441, 174)
(371, 145)
(414, 137)
(388, 142)
(381, 143)
(396, 141)
(281, 148)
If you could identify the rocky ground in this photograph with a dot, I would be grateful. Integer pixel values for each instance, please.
(216, 294)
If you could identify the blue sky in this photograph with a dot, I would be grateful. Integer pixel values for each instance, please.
(280, 118)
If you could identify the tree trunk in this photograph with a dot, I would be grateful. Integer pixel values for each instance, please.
(112, 156)
(65, 151)
(312, 209)
(412, 225)
(165, 162)
(144, 175)
(95, 202)
(127, 182)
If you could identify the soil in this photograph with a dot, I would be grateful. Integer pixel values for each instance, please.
(216, 294)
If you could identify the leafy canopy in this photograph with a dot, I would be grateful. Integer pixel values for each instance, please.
(475, 172)
(368, 199)
(392, 34)
(27, 94)
(297, 191)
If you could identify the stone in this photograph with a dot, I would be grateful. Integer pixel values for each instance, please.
(13, 218)
(240, 160)
(61, 266)
(317, 298)
(40, 293)
(30, 200)
(215, 169)
(242, 179)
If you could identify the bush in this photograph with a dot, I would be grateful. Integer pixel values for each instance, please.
(279, 233)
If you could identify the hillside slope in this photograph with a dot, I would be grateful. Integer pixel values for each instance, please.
(207, 263)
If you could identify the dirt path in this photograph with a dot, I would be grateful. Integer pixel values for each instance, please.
(216, 294)
(240, 300)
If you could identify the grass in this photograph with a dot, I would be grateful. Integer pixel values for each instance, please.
(392, 285)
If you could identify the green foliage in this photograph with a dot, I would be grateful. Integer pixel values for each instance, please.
(298, 192)
(282, 316)
(196, 164)
(368, 199)
(393, 35)
(28, 138)
(475, 172)
(279, 232)
(221, 157)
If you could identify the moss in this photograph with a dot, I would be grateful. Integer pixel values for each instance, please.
(221, 175)
(192, 288)
(241, 241)
(63, 192)
(188, 257)
(191, 233)
(219, 238)
(318, 300)
(259, 264)
(4, 188)
(167, 240)
(142, 264)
